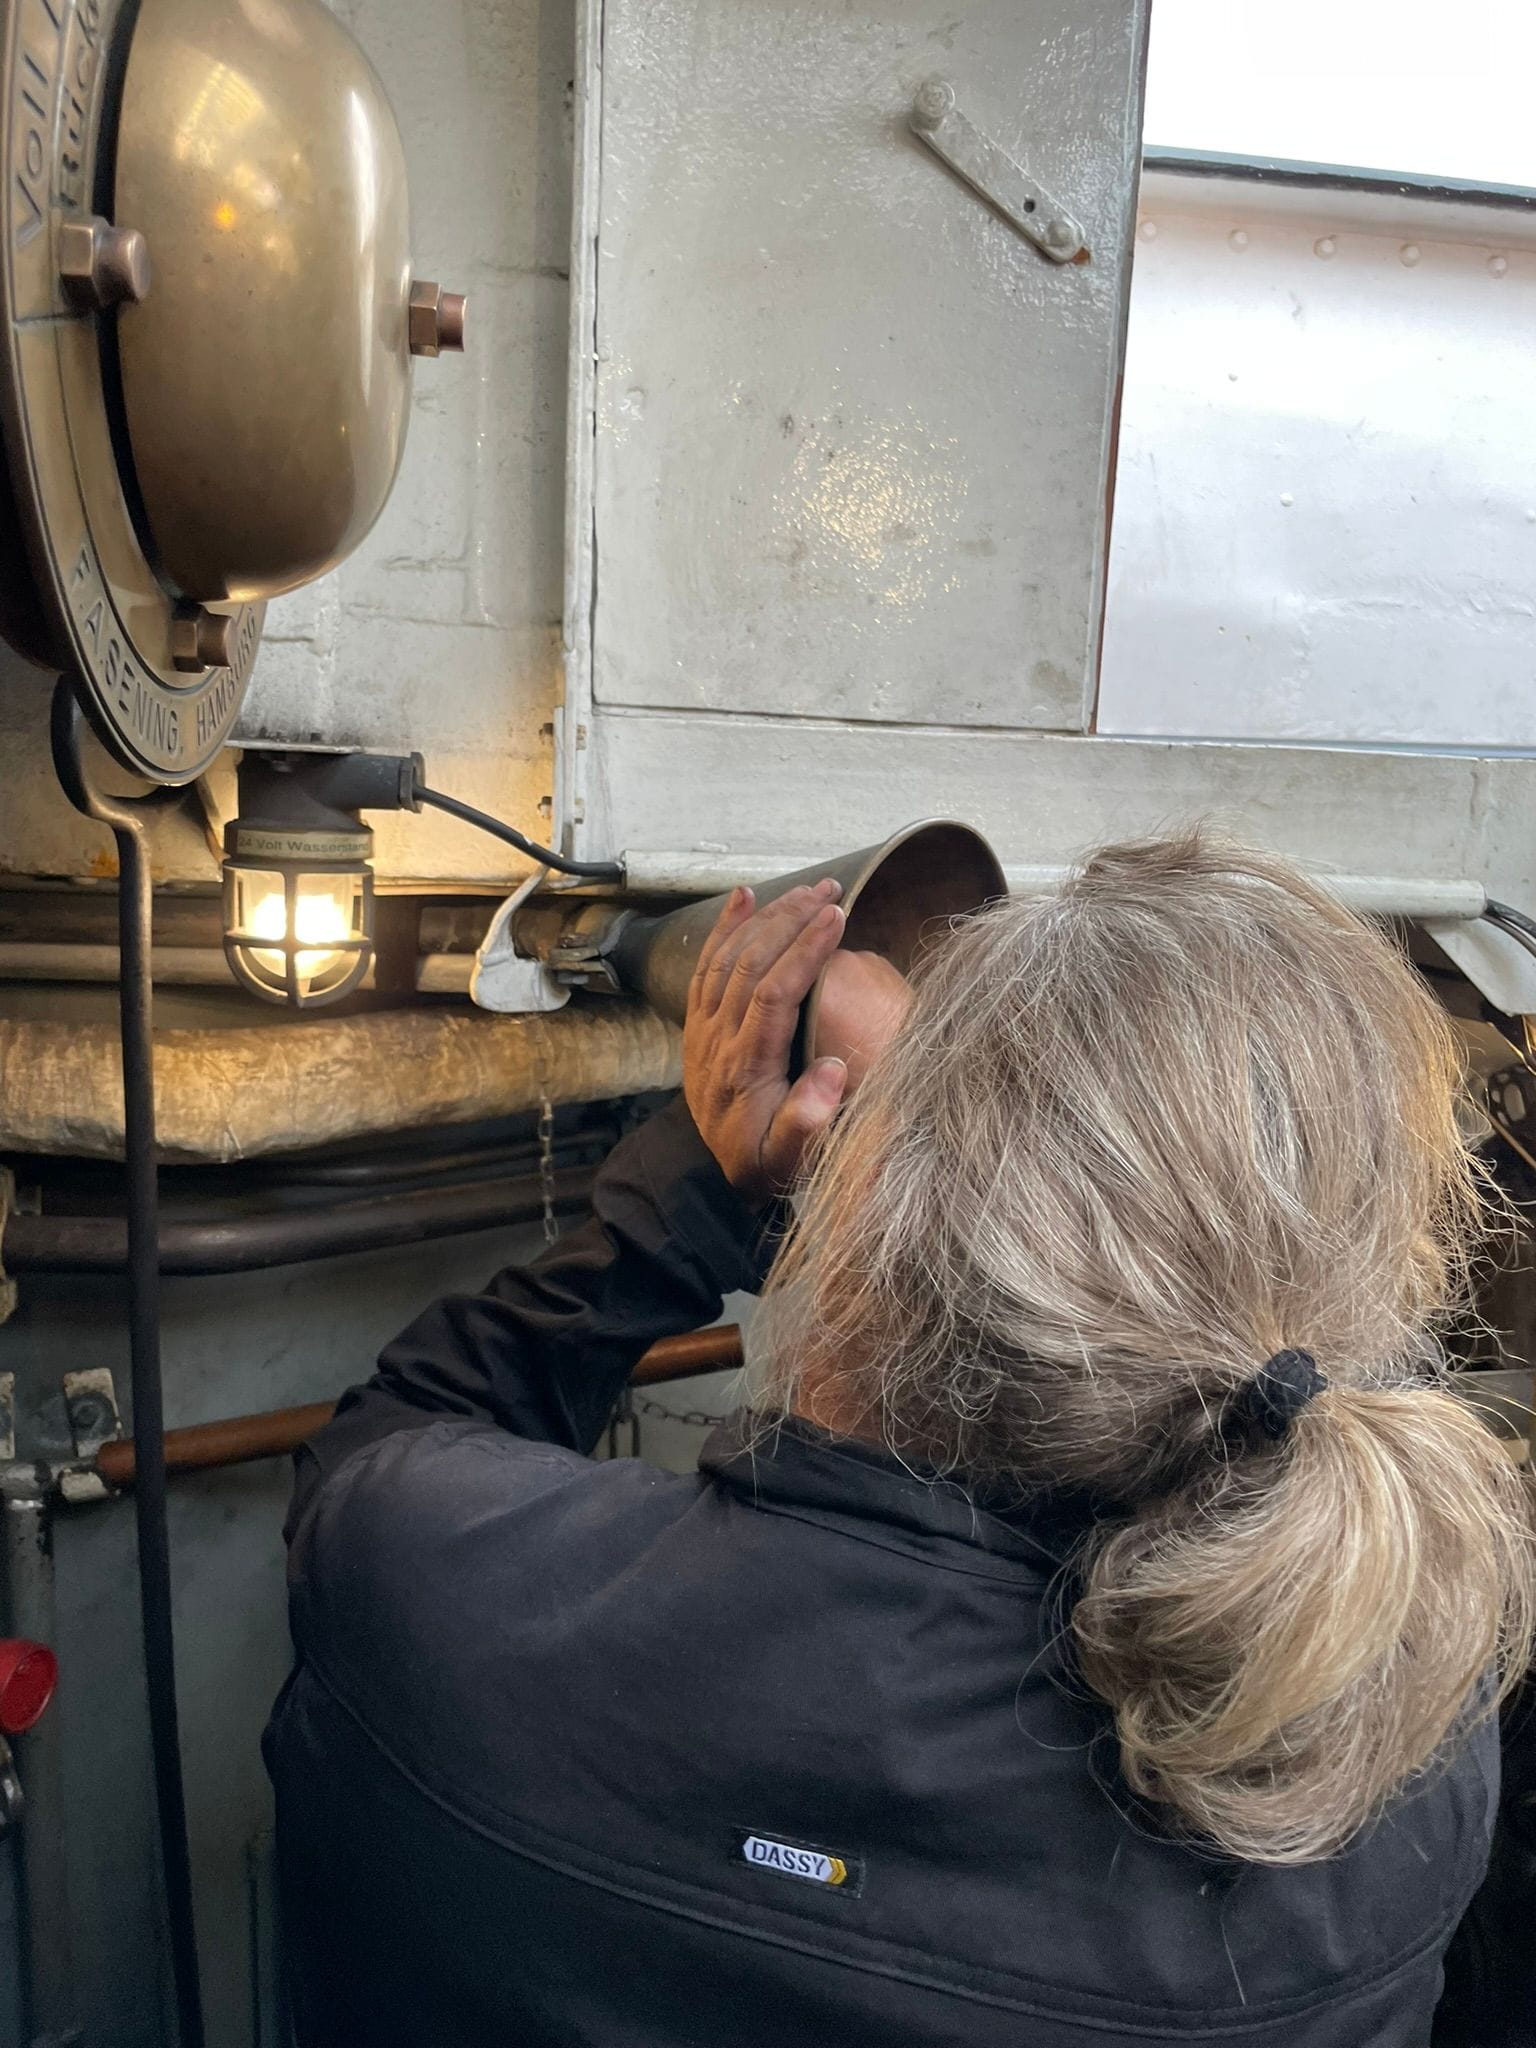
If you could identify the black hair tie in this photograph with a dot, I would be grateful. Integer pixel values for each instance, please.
(1271, 1401)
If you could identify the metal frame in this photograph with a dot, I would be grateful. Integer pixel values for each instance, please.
(1314, 177)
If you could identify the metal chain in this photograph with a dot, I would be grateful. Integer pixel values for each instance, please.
(547, 1164)
(624, 1414)
(630, 1405)
(694, 1418)
(546, 1130)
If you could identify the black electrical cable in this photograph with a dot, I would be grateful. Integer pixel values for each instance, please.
(1515, 923)
(587, 870)
(135, 916)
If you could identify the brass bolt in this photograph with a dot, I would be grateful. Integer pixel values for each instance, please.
(201, 639)
(100, 265)
(450, 321)
(436, 319)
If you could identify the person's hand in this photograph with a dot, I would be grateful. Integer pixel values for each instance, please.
(864, 1003)
(755, 970)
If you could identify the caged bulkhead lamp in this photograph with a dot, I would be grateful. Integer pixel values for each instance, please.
(298, 888)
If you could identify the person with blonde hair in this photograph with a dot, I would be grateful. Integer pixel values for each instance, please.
(1091, 1630)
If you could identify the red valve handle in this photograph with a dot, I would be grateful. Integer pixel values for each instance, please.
(28, 1674)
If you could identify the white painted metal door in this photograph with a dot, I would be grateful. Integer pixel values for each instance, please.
(852, 426)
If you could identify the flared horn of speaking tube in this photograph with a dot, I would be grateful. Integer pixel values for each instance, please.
(898, 897)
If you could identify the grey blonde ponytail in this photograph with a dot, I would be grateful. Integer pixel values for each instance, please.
(1287, 1641)
(1135, 1139)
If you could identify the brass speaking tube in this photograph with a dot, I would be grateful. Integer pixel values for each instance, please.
(899, 896)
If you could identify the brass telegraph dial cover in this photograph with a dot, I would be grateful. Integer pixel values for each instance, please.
(267, 376)
(105, 614)
(205, 350)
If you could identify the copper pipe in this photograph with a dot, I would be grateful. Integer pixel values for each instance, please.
(242, 1439)
(717, 1349)
(238, 1440)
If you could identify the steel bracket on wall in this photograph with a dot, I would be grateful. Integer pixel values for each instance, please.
(988, 169)
(90, 1401)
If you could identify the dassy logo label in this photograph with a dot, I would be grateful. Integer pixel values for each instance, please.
(796, 1859)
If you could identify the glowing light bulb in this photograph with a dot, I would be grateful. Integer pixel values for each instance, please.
(317, 918)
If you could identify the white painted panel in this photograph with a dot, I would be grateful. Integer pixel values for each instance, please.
(1325, 513)
(767, 795)
(852, 428)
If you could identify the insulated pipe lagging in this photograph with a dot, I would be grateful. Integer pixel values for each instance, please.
(234, 1092)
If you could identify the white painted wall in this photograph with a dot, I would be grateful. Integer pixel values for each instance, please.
(1325, 512)
(441, 634)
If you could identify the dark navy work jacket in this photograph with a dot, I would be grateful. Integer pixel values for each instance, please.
(781, 1752)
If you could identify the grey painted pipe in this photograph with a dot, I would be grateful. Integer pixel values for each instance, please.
(46, 1956)
(247, 1244)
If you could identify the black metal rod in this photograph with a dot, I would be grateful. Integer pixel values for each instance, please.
(422, 1166)
(498, 1162)
(135, 898)
(1513, 923)
(289, 1237)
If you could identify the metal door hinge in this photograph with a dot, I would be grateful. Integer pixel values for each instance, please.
(989, 170)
